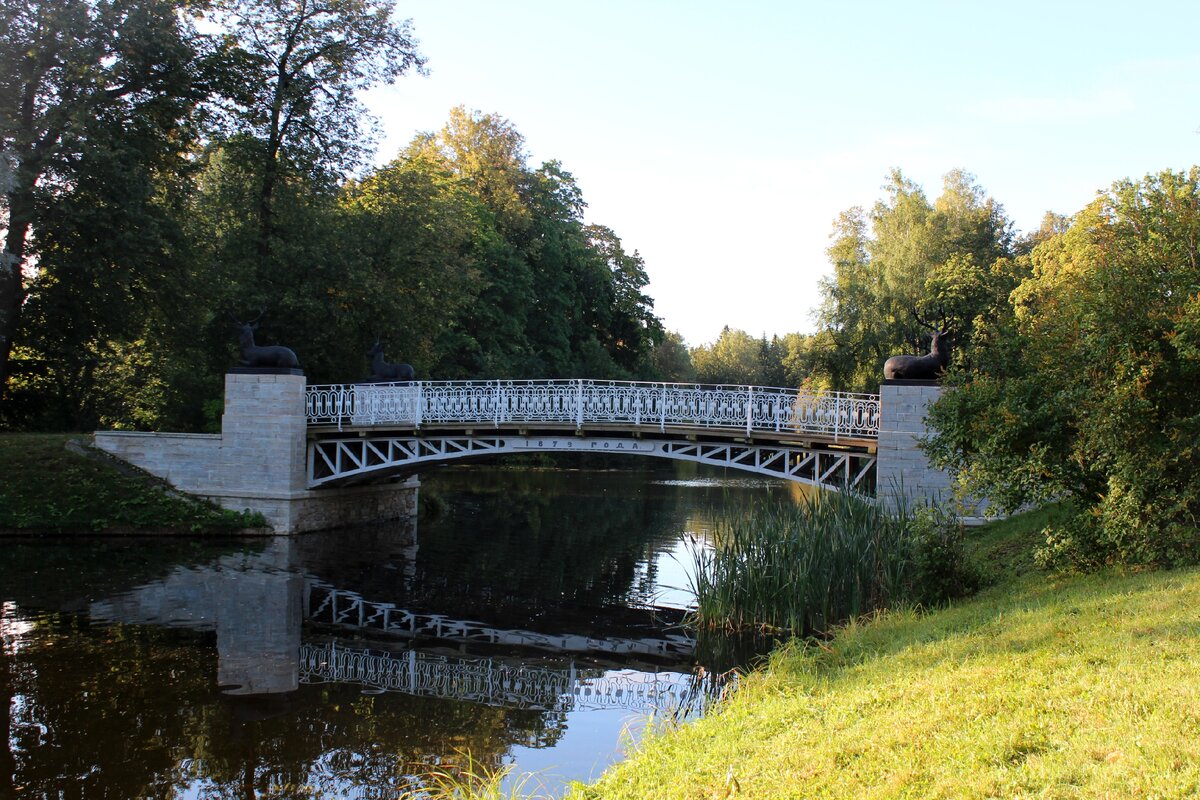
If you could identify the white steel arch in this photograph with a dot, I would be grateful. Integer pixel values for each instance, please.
(357, 459)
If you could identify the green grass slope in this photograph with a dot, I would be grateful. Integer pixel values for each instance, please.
(1040, 686)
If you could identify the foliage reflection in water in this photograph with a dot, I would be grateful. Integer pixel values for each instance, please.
(532, 623)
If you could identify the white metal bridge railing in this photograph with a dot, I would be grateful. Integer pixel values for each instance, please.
(748, 409)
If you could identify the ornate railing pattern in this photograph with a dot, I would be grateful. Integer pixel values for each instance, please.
(743, 409)
(507, 684)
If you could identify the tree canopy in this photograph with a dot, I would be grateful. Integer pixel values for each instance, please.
(160, 180)
(907, 255)
(1087, 390)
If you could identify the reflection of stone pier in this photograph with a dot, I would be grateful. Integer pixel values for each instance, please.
(495, 682)
(252, 602)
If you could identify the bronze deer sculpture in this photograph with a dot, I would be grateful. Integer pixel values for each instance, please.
(254, 355)
(382, 371)
(926, 367)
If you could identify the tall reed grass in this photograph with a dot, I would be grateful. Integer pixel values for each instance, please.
(801, 568)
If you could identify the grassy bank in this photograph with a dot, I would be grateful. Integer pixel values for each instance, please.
(1040, 686)
(48, 488)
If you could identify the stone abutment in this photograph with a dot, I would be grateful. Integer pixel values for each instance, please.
(257, 462)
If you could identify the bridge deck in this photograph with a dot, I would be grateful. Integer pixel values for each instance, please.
(866, 444)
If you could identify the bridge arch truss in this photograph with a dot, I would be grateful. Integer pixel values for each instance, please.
(361, 459)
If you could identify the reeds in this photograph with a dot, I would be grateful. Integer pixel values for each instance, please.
(801, 568)
(465, 778)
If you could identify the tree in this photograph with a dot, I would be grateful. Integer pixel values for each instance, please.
(299, 66)
(488, 153)
(632, 330)
(882, 263)
(418, 236)
(560, 298)
(1087, 391)
(734, 358)
(485, 154)
(63, 66)
(113, 281)
(671, 361)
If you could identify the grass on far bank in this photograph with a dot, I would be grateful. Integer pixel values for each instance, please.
(1040, 686)
(46, 488)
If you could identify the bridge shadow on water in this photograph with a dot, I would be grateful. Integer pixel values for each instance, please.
(532, 620)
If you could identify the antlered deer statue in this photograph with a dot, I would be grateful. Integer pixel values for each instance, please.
(926, 367)
(382, 371)
(255, 356)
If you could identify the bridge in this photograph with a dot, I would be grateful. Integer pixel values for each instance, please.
(323, 456)
(362, 433)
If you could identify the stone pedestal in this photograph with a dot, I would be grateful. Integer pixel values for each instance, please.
(258, 461)
(901, 466)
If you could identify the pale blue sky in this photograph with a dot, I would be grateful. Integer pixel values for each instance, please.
(722, 139)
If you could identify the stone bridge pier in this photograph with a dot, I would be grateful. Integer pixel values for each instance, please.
(257, 461)
(902, 469)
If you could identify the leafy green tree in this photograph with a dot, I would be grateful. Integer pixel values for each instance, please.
(1084, 392)
(799, 360)
(882, 263)
(671, 360)
(68, 69)
(558, 298)
(311, 265)
(734, 358)
(632, 330)
(486, 155)
(974, 295)
(299, 66)
(418, 236)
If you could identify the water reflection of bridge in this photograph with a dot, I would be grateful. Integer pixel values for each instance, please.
(274, 624)
(496, 682)
(345, 609)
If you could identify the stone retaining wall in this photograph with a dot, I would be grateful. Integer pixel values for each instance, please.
(257, 462)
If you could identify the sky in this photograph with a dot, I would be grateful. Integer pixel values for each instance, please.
(721, 140)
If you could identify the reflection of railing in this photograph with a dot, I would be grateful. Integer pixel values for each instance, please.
(745, 409)
(511, 685)
(331, 606)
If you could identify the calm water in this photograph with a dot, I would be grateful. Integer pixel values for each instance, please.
(533, 621)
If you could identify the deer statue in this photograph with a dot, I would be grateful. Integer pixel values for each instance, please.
(382, 371)
(256, 356)
(927, 367)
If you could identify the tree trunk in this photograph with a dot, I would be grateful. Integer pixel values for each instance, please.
(12, 285)
(266, 220)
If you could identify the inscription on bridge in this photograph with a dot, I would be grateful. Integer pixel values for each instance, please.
(583, 445)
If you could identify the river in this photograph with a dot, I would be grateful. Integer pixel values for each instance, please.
(528, 618)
